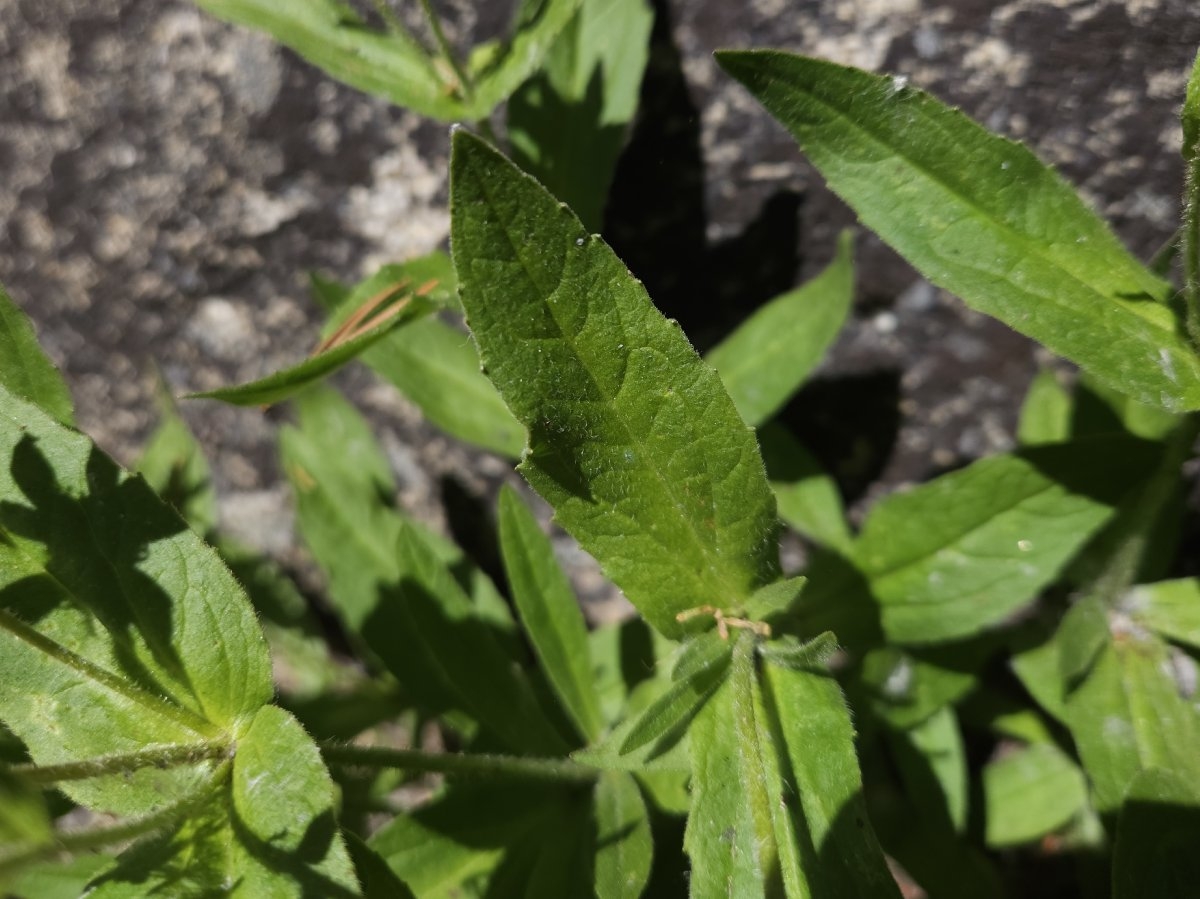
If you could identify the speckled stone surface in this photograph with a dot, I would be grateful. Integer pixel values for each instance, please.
(167, 182)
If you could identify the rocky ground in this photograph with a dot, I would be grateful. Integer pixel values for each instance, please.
(168, 181)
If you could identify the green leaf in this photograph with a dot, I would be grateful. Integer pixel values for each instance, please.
(346, 509)
(23, 814)
(58, 879)
(392, 581)
(982, 217)
(329, 35)
(815, 728)
(624, 847)
(768, 357)
(788, 652)
(498, 75)
(377, 879)
(961, 553)
(290, 381)
(109, 599)
(25, 370)
(436, 366)
(270, 832)
(567, 123)
(807, 496)
(431, 636)
(1130, 714)
(774, 599)
(632, 438)
(700, 671)
(1157, 833)
(174, 466)
(1031, 792)
(932, 763)
(284, 802)
(730, 836)
(1172, 608)
(549, 613)
(460, 836)
(907, 686)
(1046, 412)
(433, 363)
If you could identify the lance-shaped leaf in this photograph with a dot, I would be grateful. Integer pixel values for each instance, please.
(768, 357)
(433, 363)
(549, 613)
(731, 837)
(330, 35)
(982, 217)
(119, 629)
(814, 730)
(392, 64)
(700, 671)
(24, 369)
(633, 439)
(567, 123)
(624, 847)
(346, 512)
(380, 315)
(960, 553)
(777, 806)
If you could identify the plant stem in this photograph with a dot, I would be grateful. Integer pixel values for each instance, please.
(1120, 572)
(1191, 251)
(448, 54)
(454, 764)
(1190, 118)
(77, 841)
(167, 757)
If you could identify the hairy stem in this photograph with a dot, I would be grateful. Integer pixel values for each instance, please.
(459, 765)
(166, 757)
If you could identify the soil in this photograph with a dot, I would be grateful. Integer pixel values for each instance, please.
(168, 181)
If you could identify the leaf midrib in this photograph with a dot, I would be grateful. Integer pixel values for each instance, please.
(667, 484)
(1033, 247)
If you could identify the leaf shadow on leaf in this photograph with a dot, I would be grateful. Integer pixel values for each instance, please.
(297, 864)
(94, 543)
(656, 218)
(457, 663)
(603, 141)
